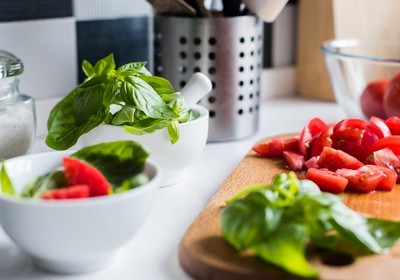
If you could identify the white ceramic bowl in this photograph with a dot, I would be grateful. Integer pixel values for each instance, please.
(173, 159)
(72, 236)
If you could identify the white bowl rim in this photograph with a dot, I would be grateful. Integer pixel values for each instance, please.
(114, 198)
(328, 46)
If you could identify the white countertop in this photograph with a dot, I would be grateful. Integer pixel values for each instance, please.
(153, 253)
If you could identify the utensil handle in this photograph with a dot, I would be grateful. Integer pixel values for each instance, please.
(197, 87)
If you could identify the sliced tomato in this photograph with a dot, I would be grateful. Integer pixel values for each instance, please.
(386, 158)
(294, 160)
(79, 172)
(308, 133)
(394, 125)
(272, 148)
(333, 159)
(380, 127)
(291, 144)
(71, 192)
(327, 180)
(323, 140)
(361, 180)
(389, 178)
(347, 136)
(391, 142)
(312, 162)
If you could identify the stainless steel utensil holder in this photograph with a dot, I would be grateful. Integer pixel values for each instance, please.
(229, 51)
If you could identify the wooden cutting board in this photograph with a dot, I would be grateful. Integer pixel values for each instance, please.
(204, 254)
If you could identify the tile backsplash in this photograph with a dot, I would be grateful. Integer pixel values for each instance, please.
(53, 37)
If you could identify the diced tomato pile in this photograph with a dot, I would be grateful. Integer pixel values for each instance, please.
(353, 154)
(84, 180)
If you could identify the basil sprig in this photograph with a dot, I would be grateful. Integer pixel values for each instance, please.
(141, 103)
(277, 221)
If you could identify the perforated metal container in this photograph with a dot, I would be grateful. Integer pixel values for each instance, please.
(229, 51)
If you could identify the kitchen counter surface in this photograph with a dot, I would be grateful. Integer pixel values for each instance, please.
(153, 252)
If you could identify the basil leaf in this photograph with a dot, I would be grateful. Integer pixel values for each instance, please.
(138, 93)
(146, 126)
(276, 221)
(125, 115)
(48, 181)
(160, 85)
(117, 160)
(6, 184)
(105, 65)
(131, 183)
(173, 131)
(132, 68)
(88, 69)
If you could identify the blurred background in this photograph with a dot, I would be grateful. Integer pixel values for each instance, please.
(53, 37)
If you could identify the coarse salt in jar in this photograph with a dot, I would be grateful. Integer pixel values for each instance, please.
(17, 111)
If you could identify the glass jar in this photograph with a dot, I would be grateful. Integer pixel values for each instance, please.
(17, 111)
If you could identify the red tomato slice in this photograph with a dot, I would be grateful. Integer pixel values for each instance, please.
(391, 142)
(291, 144)
(380, 127)
(347, 136)
(78, 172)
(312, 162)
(308, 133)
(327, 180)
(294, 160)
(361, 180)
(389, 176)
(386, 158)
(394, 125)
(72, 192)
(333, 159)
(323, 140)
(272, 148)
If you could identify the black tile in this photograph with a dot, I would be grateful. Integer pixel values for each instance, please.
(13, 10)
(126, 38)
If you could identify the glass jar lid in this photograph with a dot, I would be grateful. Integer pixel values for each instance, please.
(10, 65)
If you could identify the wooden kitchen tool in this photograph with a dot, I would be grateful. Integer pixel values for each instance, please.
(204, 254)
(173, 7)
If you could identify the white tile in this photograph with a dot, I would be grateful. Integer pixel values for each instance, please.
(106, 9)
(48, 50)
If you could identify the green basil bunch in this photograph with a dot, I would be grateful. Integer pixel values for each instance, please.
(141, 104)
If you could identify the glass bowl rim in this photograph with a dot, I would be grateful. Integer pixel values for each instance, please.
(327, 48)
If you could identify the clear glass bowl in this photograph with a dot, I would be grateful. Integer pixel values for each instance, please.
(353, 63)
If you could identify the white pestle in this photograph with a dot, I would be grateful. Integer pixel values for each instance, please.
(197, 87)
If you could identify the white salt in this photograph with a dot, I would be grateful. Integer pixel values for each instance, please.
(17, 129)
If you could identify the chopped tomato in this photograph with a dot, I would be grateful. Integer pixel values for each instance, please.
(71, 192)
(394, 125)
(78, 172)
(380, 127)
(333, 159)
(389, 176)
(312, 162)
(308, 133)
(273, 148)
(371, 99)
(361, 180)
(347, 136)
(391, 142)
(294, 160)
(291, 144)
(323, 140)
(327, 180)
(386, 158)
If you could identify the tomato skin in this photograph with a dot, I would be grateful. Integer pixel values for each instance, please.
(388, 181)
(333, 159)
(314, 127)
(327, 180)
(347, 136)
(391, 142)
(386, 158)
(273, 148)
(361, 180)
(394, 125)
(70, 192)
(391, 97)
(371, 99)
(78, 172)
(323, 140)
(294, 160)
